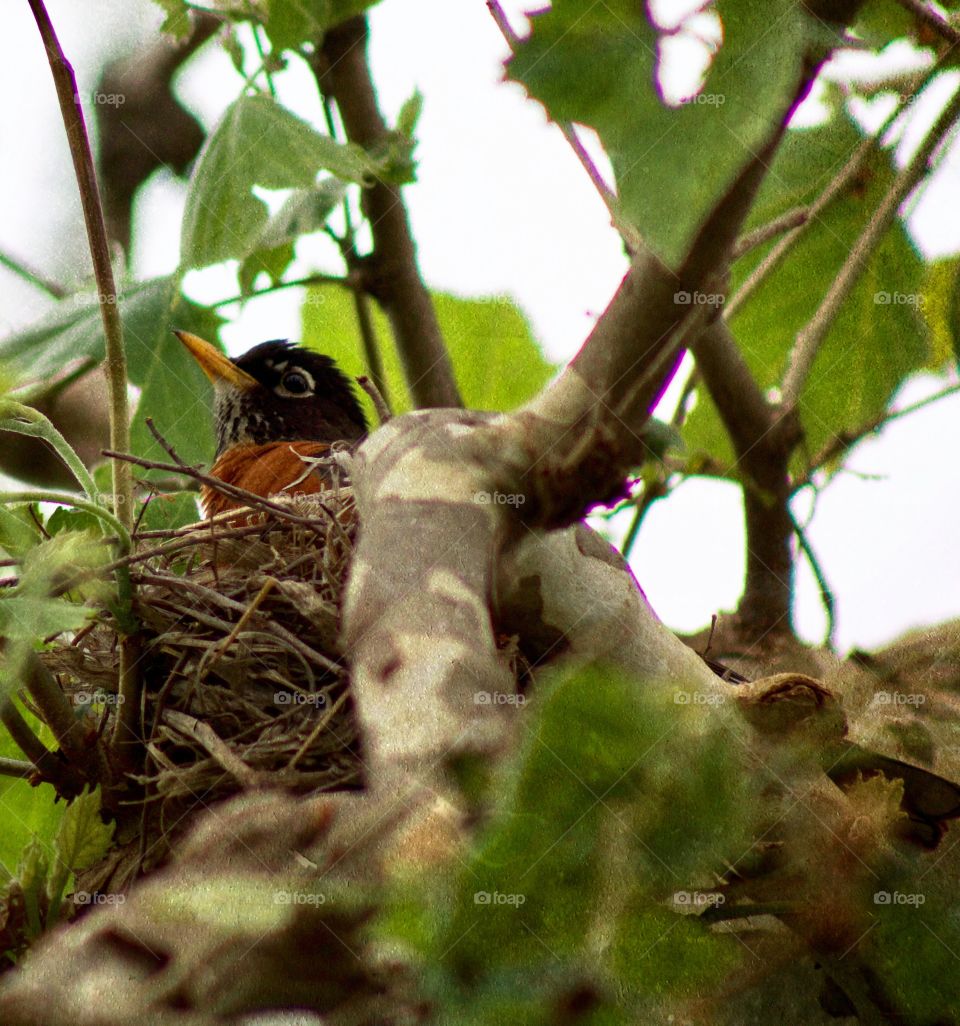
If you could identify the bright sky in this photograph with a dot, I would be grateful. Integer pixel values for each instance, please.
(502, 206)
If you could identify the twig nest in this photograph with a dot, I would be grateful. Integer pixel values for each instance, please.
(244, 683)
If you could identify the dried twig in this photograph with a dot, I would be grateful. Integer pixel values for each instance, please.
(379, 403)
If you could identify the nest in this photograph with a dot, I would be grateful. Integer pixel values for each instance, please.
(243, 682)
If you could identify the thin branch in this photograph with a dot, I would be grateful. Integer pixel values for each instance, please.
(744, 410)
(826, 593)
(250, 499)
(627, 232)
(371, 347)
(845, 440)
(310, 279)
(116, 361)
(16, 768)
(837, 187)
(342, 71)
(659, 489)
(932, 19)
(379, 403)
(48, 766)
(784, 223)
(33, 276)
(811, 338)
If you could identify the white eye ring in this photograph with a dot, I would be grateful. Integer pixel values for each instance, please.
(301, 376)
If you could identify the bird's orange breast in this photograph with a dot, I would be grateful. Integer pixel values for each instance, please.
(264, 470)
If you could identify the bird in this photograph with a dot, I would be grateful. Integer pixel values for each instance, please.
(276, 403)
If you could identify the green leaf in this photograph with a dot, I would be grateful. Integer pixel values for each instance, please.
(292, 22)
(409, 114)
(596, 64)
(941, 311)
(878, 338)
(341, 10)
(18, 530)
(273, 262)
(83, 836)
(303, 212)
(73, 331)
(29, 616)
(498, 364)
(177, 17)
(65, 519)
(600, 819)
(881, 21)
(257, 142)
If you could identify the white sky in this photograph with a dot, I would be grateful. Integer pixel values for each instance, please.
(502, 206)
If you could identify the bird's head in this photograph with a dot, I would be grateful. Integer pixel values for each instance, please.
(278, 392)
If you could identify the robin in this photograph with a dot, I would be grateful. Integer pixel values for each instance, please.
(273, 405)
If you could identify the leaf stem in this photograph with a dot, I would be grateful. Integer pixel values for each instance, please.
(24, 420)
(33, 276)
(310, 279)
(123, 535)
(116, 361)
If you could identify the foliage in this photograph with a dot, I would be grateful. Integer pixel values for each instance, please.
(598, 64)
(582, 880)
(620, 799)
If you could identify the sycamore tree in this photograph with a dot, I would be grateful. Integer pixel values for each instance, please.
(553, 810)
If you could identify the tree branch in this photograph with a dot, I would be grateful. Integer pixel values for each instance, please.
(628, 233)
(811, 338)
(342, 72)
(926, 15)
(116, 360)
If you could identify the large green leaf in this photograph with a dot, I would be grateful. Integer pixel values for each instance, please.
(497, 362)
(597, 64)
(878, 337)
(600, 820)
(73, 331)
(257, 142)
(173, 389)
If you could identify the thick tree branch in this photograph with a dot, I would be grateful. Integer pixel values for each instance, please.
(763, 438)
(342, 72)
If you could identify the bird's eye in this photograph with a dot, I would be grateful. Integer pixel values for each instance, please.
(295, 383)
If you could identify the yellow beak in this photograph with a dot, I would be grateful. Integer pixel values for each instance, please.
(217, 367)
